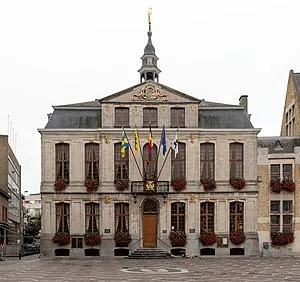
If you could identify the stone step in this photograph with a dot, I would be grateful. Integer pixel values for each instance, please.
(148, 253)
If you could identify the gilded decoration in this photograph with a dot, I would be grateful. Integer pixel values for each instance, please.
(150, 186)
(149, 93)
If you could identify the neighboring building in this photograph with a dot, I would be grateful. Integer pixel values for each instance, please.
(11, 213)
(278, 165)
(83, 141)
(32, 206)
(290, 125)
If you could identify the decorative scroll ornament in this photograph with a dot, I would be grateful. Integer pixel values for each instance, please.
(192, 199)
(149, 93)
(150, 186)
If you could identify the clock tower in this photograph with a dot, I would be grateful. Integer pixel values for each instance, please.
(149, 70)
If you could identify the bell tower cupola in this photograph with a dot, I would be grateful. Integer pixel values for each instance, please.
(149, 70)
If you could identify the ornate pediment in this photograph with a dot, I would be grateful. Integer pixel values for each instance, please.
(150, 92)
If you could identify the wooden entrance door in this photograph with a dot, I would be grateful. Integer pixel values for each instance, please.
(149, 230)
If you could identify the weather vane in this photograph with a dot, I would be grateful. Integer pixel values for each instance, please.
(149, 15)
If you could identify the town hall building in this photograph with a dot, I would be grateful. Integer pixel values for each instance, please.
(149, 167)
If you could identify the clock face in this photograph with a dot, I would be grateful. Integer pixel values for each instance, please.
(149, 61)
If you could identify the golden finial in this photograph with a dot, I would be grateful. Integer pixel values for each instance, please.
(149, 15)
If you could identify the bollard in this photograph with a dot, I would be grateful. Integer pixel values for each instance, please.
(20, 255)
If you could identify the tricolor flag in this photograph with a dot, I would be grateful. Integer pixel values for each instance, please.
(150, 140)
(136, 142)
(124, 144)
(174, 145)
(164, 140)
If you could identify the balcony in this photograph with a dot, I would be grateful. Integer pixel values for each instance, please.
(149, 187)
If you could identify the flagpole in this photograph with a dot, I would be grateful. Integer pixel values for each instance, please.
(166, 157)
(132, 152)
(144, 177)
(164, 163)
(158, 152)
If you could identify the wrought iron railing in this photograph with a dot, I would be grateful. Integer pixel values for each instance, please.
(149, 187)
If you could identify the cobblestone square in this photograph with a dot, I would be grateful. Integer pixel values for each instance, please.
(176, 269)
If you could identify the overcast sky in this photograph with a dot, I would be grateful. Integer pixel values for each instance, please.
(69, 51)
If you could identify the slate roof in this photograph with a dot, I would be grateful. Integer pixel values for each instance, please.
(87, 115)
(279, 145)
(75, 118)
(224, 118)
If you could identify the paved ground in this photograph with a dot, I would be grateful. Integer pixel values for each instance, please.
(242, 269)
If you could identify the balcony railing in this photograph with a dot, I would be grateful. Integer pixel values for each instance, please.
(149, 187)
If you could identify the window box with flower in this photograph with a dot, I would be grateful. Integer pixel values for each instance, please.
(177, 238)
(288, 185)
(61, 184)
(237, 183)
(122, 184)
(237, 237)
(208, 238)
(91, 184)
(61, 238)
(281, 238)
(92, 238)
(208, 184)
(275, 185)
(178, 184)
(122, 238)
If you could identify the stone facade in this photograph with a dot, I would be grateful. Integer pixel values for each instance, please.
(149, 215)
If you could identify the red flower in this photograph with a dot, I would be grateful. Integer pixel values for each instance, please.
(237, 183)
(208, 184)
(275, 185)
(282, 239)
(61, 184)
(122, 239)
(61, 238)
(122, 184)
(92, 238)
(237, 237)
(208, 238)
(178, 184)
(288, 185)
(91, 184)
(177, 238)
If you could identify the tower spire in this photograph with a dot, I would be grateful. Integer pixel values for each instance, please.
(149, 69)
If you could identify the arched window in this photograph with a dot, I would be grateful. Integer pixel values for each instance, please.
(207, 160)
(62, 217)
(178, 164)
(92, 161)
(62, 161)
(121, 164)
(236, 216)
(92, 217)
(236, 160)
(150, 159)
(178, 217)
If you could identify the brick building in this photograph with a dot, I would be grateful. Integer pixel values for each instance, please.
(279, 175)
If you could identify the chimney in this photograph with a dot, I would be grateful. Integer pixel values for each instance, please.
(244, 102)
